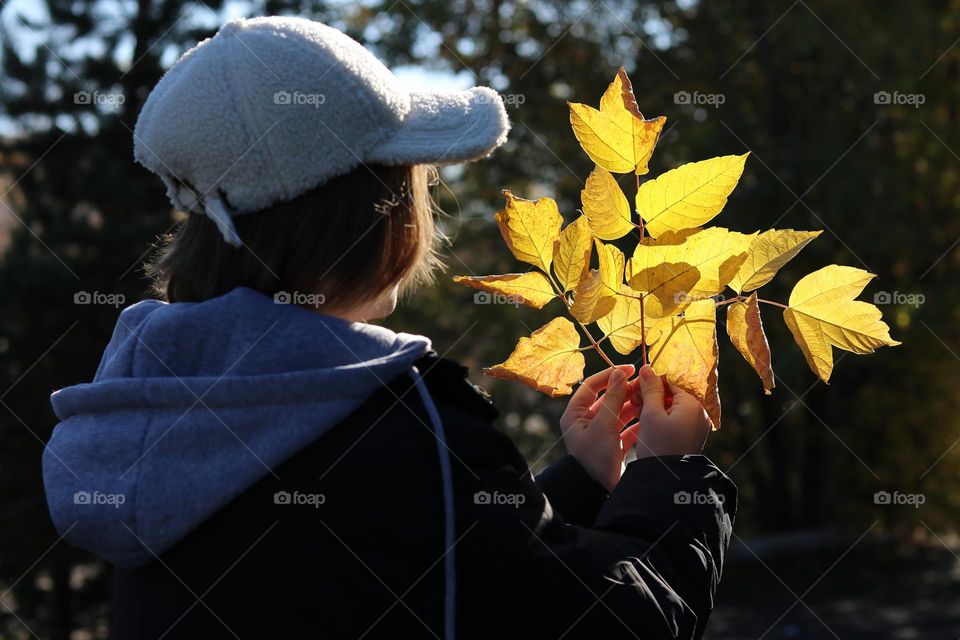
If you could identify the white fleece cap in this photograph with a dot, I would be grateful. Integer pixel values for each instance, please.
(270, 108)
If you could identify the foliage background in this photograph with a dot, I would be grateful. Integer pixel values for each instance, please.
(799, 81)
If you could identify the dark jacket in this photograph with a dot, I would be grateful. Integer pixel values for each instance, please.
(345, 539)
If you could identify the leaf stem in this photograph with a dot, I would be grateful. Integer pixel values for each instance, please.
(729, 301)
(741, 298)
(639, 217)
(643, 327)
(776, 304)
(643, 333)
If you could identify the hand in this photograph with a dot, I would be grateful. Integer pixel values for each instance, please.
(674, 424)
(592, 426)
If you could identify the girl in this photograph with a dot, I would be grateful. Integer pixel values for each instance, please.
(257, 460)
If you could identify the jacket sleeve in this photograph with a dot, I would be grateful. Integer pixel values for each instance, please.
(647, 565)
(571, 491)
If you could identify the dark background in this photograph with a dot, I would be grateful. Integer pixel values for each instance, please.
(815, 556)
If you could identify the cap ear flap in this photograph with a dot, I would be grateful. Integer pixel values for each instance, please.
(183, 197)
(216, 210)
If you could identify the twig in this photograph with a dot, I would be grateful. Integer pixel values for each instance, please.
(566, 303)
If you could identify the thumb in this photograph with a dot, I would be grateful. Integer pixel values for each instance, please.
(613, 400)
(651, 388)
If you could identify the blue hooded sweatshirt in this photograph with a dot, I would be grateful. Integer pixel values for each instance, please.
(195, 402)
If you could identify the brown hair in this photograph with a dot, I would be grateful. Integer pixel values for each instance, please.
(349, 240)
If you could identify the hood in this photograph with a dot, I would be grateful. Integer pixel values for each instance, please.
(192, 404)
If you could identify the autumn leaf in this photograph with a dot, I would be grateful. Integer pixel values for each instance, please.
(768, 252)
(669, 282)
(605, 206)
(617, 137)
(623, 325)
(686, 352)
(666, 266)
(746, 333)
(531, 288)
(571, 253)
(530, 228)
(823, 314)
(690, 195)
(591, 299)
(549, 360)
(611, 264)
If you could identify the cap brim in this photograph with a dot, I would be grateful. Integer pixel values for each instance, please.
(446, 128)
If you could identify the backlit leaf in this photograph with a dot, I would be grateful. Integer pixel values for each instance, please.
(623, 326)
(690, 195)
(823, 314)
(611, 264)
(591, 299)
(666, 266)
(746, 333)
(605, 206)
(531, 288)
(617, 137)
(549, 360)
(530, 228)
(768, 252)
(686, 352)
(669, 282)
(571, 254)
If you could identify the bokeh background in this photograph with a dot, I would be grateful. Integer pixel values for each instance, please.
(850, 110)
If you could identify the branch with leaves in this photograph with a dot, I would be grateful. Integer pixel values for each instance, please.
(663, 300)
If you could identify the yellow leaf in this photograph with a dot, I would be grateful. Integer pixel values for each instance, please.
(663, 266)
(690, 195)
(687, 353)
(768, 252)
(610, 260)
(571, 253)
(746, 333)
(669, 282)
(591, 299)
(823, 314)
(549, 360)
(623, 326)
(531, 288)
(530, 228)
(617, 137)
(605, 206)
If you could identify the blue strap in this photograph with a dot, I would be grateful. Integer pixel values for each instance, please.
(449, 532)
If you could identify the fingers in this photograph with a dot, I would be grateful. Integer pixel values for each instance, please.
(584, 397)
(652, 390)
(613, 400)
(683, 399)
(629, 436)
(628, 413)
